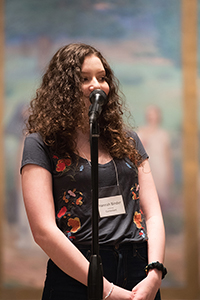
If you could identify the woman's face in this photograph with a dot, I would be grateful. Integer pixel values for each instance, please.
(93, 77)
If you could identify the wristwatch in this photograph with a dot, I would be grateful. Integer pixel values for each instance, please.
(156, 265)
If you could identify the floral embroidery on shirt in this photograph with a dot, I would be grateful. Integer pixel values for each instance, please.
(135, 191)
(71, 198)
(138, 219)
(65, 165)
(81, 168)
(75, 224)
(70, 236)
(62, 212)
(128, 165)
(141, 233)
(62, 164)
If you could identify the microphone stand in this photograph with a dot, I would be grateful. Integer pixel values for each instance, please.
(95, 275)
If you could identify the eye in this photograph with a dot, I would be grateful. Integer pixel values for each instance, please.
(84, 79)
(102, 79)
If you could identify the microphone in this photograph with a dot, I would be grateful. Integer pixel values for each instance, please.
(98, 98)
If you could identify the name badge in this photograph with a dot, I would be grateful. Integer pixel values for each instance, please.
(111, 206)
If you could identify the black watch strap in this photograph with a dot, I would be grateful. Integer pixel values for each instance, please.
(156, 265)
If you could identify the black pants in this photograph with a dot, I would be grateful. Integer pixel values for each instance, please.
(123, 265)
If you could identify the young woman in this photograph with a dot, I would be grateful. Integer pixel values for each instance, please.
(56, 183)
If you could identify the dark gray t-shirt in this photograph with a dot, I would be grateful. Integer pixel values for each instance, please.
(72, 193)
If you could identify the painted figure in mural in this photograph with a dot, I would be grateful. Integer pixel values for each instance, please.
(156, 141)
(56, 184)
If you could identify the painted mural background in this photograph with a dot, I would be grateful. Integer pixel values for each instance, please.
(141, 40)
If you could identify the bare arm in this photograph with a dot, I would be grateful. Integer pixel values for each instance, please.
(39, 203)
(153, 215)
(38, 199)
(155, 230)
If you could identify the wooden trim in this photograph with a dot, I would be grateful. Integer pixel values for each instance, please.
(190, 142)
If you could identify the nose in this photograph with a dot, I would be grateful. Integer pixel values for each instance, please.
(94, 84)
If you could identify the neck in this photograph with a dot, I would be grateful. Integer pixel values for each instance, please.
(83, 142)
(82, 136)
(83, 148)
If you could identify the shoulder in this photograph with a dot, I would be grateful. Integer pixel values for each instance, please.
(36, 137)
(36, 151)
(134, 136)
(138, 144)
(34, 141)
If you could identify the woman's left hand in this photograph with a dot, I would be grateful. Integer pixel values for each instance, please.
(148, 287)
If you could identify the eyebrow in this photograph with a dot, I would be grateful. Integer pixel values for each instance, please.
(100, 72)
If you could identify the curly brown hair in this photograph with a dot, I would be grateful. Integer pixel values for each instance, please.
(57, 110)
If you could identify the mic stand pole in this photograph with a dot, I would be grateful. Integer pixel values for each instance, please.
(95, 275)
